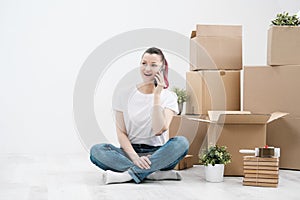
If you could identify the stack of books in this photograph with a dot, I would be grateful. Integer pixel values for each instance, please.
(260, 171)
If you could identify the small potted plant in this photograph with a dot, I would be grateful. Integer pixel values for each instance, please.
(283, 35)
(181, 97)
(214, 160)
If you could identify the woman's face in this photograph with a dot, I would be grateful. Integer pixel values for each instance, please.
(150, 65)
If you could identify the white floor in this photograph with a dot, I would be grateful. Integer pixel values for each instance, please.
(33, 177)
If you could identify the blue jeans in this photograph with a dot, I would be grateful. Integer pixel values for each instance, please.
(109, 157)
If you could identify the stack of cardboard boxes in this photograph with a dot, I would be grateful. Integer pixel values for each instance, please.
(259, 171)
(213, 82)
(275, 88)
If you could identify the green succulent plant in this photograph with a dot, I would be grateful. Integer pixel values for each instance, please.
(216, 155)
(284, 19)
(181, 94)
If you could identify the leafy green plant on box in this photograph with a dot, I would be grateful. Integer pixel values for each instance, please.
(284, 19)
(216, 155)
(181, 94)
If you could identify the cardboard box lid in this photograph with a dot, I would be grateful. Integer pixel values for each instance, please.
(240, 117)
(219, 30)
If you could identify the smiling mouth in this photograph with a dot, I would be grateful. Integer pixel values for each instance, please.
(148, 74)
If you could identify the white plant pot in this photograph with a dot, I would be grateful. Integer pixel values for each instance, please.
(214, 173)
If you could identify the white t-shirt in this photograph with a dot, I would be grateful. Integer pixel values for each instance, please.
(137, 110)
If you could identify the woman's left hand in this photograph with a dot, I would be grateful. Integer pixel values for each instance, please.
(143, 162)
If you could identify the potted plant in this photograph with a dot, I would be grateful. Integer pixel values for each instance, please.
(283, 37)
(214, 160)
(181, 97)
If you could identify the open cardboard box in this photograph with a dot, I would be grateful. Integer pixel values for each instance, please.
(237, 130)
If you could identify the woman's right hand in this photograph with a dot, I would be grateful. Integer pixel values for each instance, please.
(142, 162)
(159, 77)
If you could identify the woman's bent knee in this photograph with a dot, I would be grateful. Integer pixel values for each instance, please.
(98, 148)
(183, 142)
(97, 153)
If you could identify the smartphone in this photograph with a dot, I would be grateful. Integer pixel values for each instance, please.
(160, 70)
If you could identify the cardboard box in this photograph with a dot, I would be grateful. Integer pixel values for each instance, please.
(194, 131)
(269, 89)
(185, 163)
(237, 130)
(283, 45)
(285, 134)
(212, 90)
(216, 47)
(281, 84)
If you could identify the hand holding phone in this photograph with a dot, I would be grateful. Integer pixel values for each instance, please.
(162, 71)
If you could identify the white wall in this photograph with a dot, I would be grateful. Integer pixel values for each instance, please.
(44, 43)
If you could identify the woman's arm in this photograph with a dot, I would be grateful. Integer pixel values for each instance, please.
(161, 118)
(143, 161)
(122, 136)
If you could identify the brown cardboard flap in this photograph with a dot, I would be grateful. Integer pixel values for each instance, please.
(199, 120)
(276, 115)
(243, 118)
(219, 30)
(193, 34)
(215, 114)
(239, 117)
